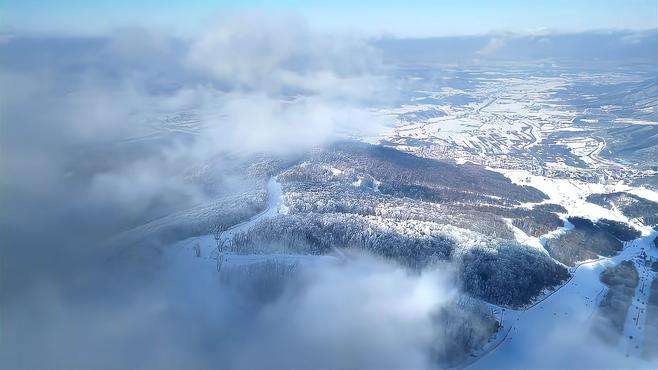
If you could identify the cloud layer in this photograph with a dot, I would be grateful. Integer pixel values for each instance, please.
(101, 134)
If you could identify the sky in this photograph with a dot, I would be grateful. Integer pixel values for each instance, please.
(415, 18)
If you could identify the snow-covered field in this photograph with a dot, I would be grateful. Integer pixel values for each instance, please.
(542, 122)
(513, 114)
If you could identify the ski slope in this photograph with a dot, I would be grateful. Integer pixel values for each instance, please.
(566, 312)
(632, 340)
(569, 308)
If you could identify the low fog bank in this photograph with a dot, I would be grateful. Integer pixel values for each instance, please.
(120, 120)
(366, 314)
(101, 135)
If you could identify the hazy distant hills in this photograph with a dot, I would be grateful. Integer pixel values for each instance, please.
(599, 46)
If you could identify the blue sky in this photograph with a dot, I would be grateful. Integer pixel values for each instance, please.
(402, 18)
